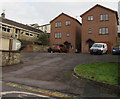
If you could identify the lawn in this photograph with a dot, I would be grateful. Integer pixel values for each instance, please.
(99, 71)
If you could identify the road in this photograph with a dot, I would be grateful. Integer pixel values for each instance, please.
(53, 71)
(18, 93)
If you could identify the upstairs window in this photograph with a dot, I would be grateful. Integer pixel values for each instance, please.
(58, 35)
(90, 18)
(103, 31)
(103, 17)
(67, 22)
(17, 31)
(58, 24)
(6, 28)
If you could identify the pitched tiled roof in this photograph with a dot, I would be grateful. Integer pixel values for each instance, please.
(7, 21)
(101, 7)
(67, 16)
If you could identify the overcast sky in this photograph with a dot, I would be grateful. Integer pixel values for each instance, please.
(42, 11)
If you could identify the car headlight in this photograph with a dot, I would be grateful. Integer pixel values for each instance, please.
(113, 50)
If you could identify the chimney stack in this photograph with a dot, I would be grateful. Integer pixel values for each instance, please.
(3, 15)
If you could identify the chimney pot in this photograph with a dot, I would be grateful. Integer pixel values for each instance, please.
(3, 15)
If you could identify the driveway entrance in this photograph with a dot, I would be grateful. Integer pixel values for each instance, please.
(53, 71)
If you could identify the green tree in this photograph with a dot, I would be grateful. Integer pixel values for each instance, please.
(43, 38)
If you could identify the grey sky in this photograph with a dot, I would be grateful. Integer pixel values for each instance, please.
(43, 12)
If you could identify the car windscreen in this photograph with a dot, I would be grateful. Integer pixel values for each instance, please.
(56, 45)
(97, 45)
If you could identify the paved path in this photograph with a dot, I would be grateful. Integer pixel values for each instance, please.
(53, 71)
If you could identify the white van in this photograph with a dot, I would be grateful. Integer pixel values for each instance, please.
(98, 48)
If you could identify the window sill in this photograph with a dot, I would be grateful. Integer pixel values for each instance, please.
(57, 38)
(58, 27)
(103, 20)
(67, 25)
(104, 34)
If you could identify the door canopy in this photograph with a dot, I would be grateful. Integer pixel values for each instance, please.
(89, 40)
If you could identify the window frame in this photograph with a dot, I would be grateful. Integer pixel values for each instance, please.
(6, 28)
(90, 18)
(58, 24)
(103, 30)
(67, 22)
(104, 17)
(58, 35)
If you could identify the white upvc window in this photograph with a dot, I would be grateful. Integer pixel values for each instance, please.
(58, 35)
(58, 24)
(90, 18)
(104, 17)
(103, 31)
(68, 22)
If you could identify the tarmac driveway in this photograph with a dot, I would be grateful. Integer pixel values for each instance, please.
(53, 71)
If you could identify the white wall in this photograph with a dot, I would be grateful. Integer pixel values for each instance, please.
(46, 28)
(4, 44)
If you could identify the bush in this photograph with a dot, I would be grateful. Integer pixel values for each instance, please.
(44, 39)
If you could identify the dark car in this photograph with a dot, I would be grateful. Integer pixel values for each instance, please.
(116, 50)
(58, 48)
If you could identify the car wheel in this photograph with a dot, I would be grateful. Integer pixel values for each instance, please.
(91, 53)
(101, 53)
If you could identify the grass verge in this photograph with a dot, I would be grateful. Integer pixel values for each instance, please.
(99, 71)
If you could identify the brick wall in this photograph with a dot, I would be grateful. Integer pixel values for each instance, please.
(36, 48)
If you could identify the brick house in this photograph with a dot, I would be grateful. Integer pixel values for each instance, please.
(99, 24)
(65, 28)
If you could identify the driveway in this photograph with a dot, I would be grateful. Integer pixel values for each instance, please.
(53, 71)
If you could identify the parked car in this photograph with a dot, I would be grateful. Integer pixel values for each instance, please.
(98, 48)
(58, 48)
(116, 50)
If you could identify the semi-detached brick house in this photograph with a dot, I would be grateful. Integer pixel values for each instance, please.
(99, 24)
(65, 28)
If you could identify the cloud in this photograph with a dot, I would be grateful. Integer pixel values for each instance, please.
(43, 12)
(58, 0)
